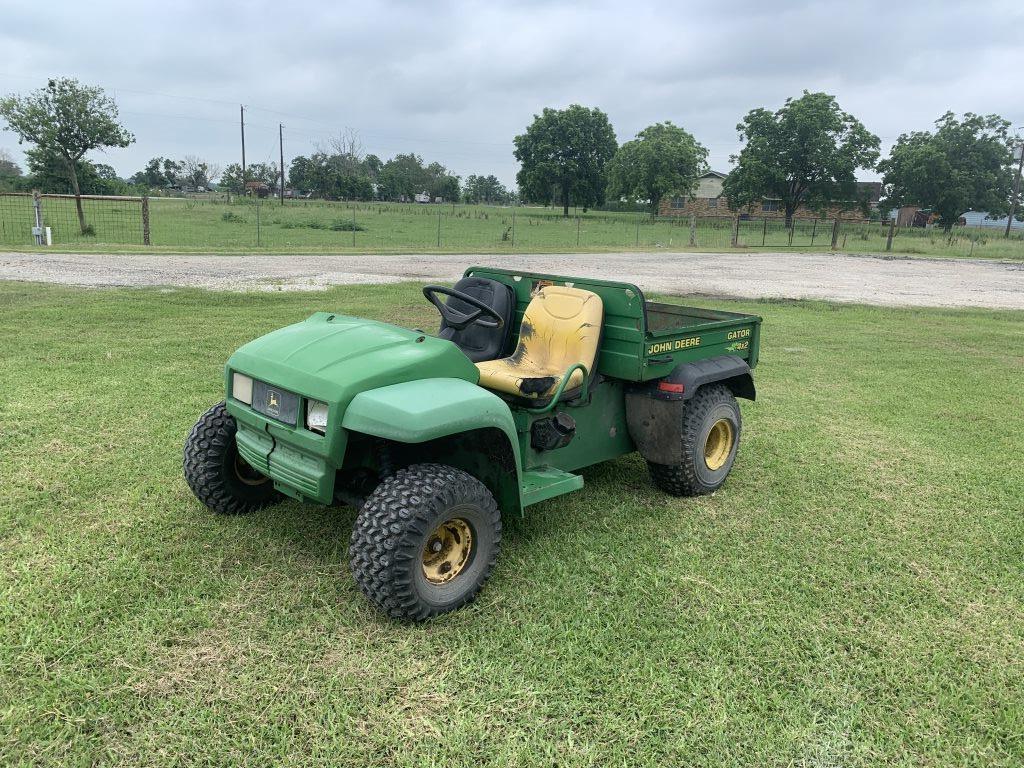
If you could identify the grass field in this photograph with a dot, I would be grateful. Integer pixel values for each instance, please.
(318, 226)
(851, 597)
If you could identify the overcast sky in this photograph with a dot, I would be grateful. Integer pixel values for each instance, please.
(454, 82)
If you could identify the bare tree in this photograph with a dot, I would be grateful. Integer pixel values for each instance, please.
(197, 172)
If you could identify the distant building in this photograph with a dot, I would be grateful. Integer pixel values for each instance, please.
(981, 219)
(257, 189)
(422, 197)
(708, 200)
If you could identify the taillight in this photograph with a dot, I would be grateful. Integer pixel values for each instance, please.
(668, 386)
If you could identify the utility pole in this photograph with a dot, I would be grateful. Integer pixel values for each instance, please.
(280, 139)
(241, 112)
(1016, 189)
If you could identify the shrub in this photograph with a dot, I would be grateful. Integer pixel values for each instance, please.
(232, 217)
(347, 225)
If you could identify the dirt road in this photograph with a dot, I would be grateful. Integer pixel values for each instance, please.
(834, 277)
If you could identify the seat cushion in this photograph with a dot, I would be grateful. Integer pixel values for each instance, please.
(561, 327)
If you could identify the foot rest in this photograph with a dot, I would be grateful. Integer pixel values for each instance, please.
(545, 483)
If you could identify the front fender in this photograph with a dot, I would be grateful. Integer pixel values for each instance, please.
(428, 409)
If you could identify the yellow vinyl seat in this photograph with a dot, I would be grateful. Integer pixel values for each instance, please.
(561, 327)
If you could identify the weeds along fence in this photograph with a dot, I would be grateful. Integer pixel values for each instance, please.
(313, 225)
(108, 220)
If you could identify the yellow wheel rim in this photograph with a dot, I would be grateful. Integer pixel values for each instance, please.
(718, 446)
(447, 551)
(245, 472)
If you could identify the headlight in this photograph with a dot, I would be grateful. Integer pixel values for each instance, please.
(316, 416)
(241, 388)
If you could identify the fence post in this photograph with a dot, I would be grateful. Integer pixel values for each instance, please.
(577, 231)
(145, 219)
(764, 232)
(353, 225)
(888, 240)
(513, 226)
(693, 230)
(638, 230)
(814, 231)
(258, 206)
(835, 233)
(37, 207)
(439, 227)
(736, 231)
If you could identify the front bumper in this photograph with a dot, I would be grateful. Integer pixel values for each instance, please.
(283, 454)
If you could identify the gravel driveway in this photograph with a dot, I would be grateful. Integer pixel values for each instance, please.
(829, 276)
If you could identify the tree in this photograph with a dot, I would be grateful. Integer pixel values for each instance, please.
(231, 180)
(662, 160)
(484, 189)
(964, 165)
(10, 172)
(564, 154)
(196, 172)
(48, 173)
(403, 176)
(67, 118)
(804, 154)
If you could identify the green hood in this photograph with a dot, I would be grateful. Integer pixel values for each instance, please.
(335, 357)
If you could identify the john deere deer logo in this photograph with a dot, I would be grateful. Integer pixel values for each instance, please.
(272, 404)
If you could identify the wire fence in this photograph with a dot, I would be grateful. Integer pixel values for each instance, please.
(107, 220)
(312, 225)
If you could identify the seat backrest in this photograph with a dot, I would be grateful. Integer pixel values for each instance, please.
(561, 327)
(480, 343)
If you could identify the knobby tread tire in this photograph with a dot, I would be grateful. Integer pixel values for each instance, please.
(392, 527)
(682, 479)
(208, 463)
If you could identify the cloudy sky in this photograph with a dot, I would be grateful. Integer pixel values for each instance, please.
(455, 82)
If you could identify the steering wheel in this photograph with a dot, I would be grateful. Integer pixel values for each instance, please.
(459, 320)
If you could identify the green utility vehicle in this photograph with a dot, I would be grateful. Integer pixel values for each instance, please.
(433, 438)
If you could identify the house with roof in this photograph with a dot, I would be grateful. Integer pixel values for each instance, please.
(708, 200)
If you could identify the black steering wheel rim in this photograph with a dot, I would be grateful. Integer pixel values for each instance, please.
(459, 320)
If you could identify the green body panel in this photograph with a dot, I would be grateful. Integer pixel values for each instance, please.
(546, 483)
(387, 382)
(331, 358)
(417, 411)
(601, 432)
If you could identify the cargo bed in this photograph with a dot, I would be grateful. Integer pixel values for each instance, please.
(675, 334)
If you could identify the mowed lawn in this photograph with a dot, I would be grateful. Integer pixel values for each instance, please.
(851, 597)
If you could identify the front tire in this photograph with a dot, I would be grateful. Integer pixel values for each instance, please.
(218, 476)
(711, 437)
(425, 541)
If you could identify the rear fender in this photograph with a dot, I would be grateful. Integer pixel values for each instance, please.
(451, 421)
(654, 413)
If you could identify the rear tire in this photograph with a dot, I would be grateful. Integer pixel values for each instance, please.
(425, 541)
(217, 475)
(711, 437)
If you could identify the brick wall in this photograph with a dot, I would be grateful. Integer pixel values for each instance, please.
(704, 207)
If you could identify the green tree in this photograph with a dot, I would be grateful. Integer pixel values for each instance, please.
(48, 173)
(806, 154)
(67, 118)
(963, 165)
(484, 189)
(662, 160)
(231, 180)
(10, 172)
(564, 154)
(403, 176)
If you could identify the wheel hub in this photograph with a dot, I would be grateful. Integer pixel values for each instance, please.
(248, 475)
(718, 445)
(447, 551)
